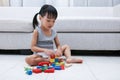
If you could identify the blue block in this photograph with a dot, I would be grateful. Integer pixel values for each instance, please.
(38, 67)
(53, 64)
(29, 72)
(56, 59)
(57, 68)
(50, 67)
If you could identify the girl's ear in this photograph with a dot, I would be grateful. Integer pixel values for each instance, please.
(40, 17)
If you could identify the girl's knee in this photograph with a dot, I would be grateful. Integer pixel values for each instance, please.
(29, 60)
(66, 46)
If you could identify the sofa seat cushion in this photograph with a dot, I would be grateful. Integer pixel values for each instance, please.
(89, 24)
(15, 26)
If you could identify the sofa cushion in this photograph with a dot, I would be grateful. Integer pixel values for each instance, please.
(15, 26)
(89, 24)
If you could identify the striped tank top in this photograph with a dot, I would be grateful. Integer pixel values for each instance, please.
(46, 41)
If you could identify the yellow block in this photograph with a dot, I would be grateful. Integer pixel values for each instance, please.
(62, 63)
(52, 60)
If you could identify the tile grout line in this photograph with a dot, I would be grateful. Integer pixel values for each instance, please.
(90, 70)
(7, 71)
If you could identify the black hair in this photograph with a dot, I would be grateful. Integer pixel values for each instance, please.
(49, 9)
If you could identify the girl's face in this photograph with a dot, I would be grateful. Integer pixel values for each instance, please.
(47, 22)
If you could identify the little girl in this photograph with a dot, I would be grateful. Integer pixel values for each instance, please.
(44, 38)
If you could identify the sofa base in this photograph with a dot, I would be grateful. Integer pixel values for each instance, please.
(16, 41)
(95, 52)
(73, 52)
(91, 41)
(17, 52)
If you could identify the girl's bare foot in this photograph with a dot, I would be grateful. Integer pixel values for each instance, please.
(74, 60)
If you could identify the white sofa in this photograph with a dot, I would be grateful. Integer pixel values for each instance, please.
(83, 28)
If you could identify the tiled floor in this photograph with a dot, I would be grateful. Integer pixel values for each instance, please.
(93, 68)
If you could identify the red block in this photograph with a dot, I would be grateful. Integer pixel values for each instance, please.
(51, 70)
(62, 67)
(43, 63)
(37, 70)
(52, 56)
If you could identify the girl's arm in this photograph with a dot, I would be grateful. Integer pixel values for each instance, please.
(34, 48)
(59, 48)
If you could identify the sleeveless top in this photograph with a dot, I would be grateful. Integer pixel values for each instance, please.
(46, 41)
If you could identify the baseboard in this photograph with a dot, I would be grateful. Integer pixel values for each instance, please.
(17, 52)
(96, 52)
(73, 52)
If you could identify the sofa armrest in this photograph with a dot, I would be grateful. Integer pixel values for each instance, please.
(116, 11)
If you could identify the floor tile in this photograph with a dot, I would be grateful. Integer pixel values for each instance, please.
(75, 72)
(92, 68)
(104, 68)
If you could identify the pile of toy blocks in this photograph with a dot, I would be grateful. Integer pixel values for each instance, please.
(47, 67)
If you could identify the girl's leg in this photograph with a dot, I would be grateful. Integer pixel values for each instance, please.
(33, 60)
(67, 52)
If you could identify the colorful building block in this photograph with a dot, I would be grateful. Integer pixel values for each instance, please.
(53, 64)
(27, 68)
(51, 70)
(38, 67)
(36, 70)
(29, 72)
(56, 60)
(52, 60)
(57, 68)
(52, 56)
(62, 67)
(44, 63)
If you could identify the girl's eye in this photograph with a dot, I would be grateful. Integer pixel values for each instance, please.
(48, 20)
(53, 21)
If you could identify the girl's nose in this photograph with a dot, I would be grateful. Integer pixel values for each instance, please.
(51, 23)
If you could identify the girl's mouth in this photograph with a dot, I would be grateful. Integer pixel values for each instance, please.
(49, 26)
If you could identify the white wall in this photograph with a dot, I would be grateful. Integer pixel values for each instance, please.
(65, 3)
(4, 2)
(100, 3)
(116, 2)
(16, 3)
(33, 3)
(78, 3)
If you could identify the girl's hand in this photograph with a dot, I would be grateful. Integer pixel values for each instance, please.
(49, 52)
(58, 53)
